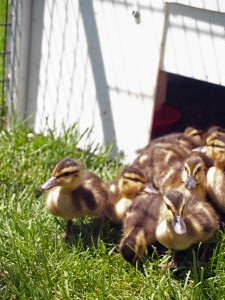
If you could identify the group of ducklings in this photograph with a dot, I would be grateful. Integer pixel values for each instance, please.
(173, 193)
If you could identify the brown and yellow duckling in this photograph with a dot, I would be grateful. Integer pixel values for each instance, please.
(123, 191)
(140, 225)
(215, 149)
(193, 134)
(190, 178)
(185, 221)
(154, 161)
(191, 138)
(213, 130)
(73, 192)
(174, 220)
(165, 152)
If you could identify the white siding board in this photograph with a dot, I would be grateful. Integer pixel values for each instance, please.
(194, 43)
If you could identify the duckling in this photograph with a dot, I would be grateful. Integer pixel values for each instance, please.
(215, 149)
(154, 161)
(190, 137)
(185, 221)
(166, 160)
(122, 192)
(190, 178)
(214, 129)
(144, 163)
(73, 192)
(196, 135)
(140, 225)
(166, 155)
(193, 134)
(194, 175)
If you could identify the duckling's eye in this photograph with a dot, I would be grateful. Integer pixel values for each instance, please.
(195, 134)
(199, 169)
(131, 179)
(66, 174)
(135, 180)
(168, 207)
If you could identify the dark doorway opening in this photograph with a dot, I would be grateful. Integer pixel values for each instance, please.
(201, 104)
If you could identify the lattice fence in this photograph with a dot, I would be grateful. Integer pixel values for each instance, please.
(5, 24)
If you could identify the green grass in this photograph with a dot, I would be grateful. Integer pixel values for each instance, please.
(36, 263)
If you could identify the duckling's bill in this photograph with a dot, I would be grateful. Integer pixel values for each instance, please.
(190, 183)
(179, 225)
(49, 184)
(202, 149)
(150, 189)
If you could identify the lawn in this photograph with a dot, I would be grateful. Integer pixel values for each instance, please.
(38, 263)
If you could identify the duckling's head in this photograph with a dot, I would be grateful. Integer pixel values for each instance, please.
(67, 174)
(174, 204)
(131, 181)
(195, 134)
(215, 147)
(132, 246)
(214, 130)
(194, 171)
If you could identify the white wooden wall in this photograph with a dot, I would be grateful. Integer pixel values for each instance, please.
(194, 42)
(90, 62)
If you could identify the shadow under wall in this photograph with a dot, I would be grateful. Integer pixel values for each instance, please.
(97, 64)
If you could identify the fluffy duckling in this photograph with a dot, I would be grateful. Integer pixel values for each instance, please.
(190, 178)
(185, 221)
(167, 159)
(73, 192)
(214, 130)
(155, 160)
(189, 139)
(122, 192)
(196, 135)
(139, 226)
(193, 134)
(194, 175)
(215, 149)
(167, 150)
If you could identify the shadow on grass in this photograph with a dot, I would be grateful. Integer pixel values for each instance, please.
(87, 232)
(200, 260)
(195, 261)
